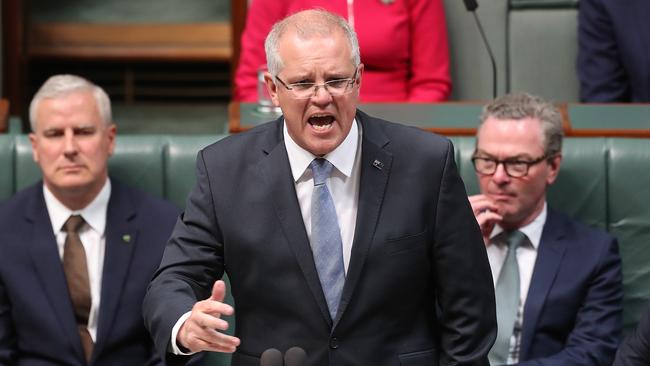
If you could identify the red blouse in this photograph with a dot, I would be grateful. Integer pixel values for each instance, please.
(403, 46)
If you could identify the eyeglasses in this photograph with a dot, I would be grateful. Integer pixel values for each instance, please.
(307, 90)
(514, 168)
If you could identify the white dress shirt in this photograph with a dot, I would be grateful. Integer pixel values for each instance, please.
(93, 238)
(343, 185)
(526, 257)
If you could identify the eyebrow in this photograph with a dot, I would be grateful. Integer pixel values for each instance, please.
(481, 153)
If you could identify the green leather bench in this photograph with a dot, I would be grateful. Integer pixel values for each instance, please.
(603, 183)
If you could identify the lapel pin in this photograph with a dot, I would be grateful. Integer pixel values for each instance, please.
(126, 238)
(378, 164)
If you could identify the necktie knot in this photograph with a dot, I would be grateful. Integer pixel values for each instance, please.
(73, 224)
(515, 240)
(321, 169)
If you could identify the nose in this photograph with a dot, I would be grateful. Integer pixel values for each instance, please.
(70, 147)
(321, 95)
(500, 176)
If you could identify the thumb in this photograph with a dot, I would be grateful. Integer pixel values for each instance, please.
(218, 291)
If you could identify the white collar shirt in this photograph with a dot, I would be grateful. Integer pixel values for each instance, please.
(93, 238)
(526, 257)
(343, 182)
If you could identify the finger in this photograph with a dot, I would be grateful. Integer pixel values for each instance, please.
(481, 203)
(488, 218)
(204, 339)
(212, 308)
(227, 344)
(218, 291)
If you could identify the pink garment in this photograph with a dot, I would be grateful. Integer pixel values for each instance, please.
(403, 46)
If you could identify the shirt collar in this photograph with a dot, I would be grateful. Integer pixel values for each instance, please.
(94, 214)
(533, 230)
(342, 157)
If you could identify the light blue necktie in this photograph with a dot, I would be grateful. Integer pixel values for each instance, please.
(326, 237)
(507, 300)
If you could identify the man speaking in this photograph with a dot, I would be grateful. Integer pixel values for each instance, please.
(345, 235)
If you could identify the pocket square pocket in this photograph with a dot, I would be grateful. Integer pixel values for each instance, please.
(420, 358)
(405, 243)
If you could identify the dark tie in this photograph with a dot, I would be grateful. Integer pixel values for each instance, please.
(507, 300)
(326, 237)
(76, 273)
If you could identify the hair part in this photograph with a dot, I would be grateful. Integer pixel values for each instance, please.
(518, 106)
(306, 24)
(58, 86)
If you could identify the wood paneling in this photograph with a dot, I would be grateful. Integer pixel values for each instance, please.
(131, 42)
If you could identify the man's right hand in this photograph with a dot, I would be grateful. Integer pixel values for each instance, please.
(486, 213)
(202, 330)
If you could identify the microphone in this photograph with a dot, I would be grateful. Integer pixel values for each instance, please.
(271, 357)
(295, 356)
(471, 6)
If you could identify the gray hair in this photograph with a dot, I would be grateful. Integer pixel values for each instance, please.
(308, 23)
(62, 85)
(517, 106)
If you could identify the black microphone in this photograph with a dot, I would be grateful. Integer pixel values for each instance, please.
(295, 356)
(271, 357)
(471, 6)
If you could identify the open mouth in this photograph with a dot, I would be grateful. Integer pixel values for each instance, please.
(321, 122)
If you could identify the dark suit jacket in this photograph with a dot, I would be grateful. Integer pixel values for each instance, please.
(614, 56)
(635, 350)
(37, 324)
(573, 311)
(418, 286)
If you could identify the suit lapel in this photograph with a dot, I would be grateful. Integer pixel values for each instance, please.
(375, 170)
(45, 256)
(550, 253)
(276, 171)
(121, 238)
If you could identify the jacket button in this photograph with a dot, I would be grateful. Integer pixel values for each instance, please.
(334, 343)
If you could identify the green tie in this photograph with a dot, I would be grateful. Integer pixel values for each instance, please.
(507, 300)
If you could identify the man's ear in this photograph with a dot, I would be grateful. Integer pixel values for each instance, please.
(554, 168)
(33, 140)
(359, 74)
(272, 88)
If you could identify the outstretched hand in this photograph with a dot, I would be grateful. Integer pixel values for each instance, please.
(202, 331)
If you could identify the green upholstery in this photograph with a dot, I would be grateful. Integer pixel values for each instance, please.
(603, 182)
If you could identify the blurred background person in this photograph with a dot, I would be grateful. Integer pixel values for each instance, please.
(613, 58)
(403, 46)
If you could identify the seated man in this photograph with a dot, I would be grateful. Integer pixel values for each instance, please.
(558, 283)
(78, 249)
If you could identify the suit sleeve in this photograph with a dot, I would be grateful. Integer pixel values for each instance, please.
(597, 330)
(600, 68)
(7, 332)
(635, 350)
(467, 315)
(192, 261)
(429, 75)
